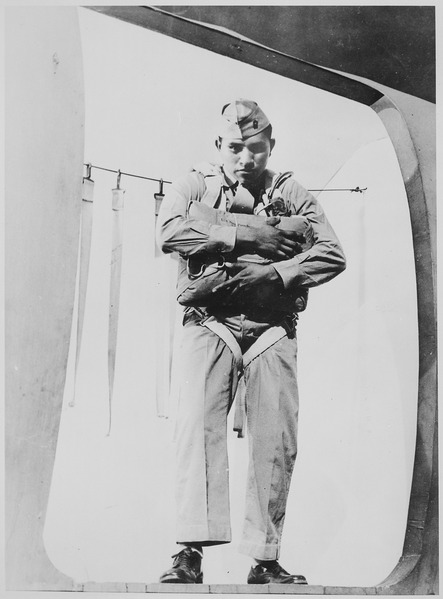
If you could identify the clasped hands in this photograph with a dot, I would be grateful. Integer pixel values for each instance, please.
(266, 241)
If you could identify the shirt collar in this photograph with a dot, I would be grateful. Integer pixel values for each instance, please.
(229, 182)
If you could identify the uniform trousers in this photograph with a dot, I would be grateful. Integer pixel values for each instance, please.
(207, 388)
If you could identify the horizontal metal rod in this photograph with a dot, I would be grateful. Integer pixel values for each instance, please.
(111, 170)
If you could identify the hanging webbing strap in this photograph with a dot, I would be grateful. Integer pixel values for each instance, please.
(114, 295)
(264, 342)
(85, 252)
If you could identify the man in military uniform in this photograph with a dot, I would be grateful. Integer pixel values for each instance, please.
(220, 334)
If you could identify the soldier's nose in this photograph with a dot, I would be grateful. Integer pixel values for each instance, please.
(246, 159)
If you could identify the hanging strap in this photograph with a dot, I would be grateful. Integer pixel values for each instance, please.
(242, 361)
(114, 295)
(85, 252)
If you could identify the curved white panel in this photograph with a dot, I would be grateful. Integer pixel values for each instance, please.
(111, 513)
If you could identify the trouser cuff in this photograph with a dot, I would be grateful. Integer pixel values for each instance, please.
(212, 535)
(260, 551)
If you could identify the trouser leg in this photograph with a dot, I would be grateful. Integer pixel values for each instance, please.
(208, 382)
(272, 417)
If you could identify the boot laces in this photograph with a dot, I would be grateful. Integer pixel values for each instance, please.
(186, 558)
(273, 567)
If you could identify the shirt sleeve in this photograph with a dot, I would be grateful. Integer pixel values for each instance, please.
(176, 232)
(325, 259)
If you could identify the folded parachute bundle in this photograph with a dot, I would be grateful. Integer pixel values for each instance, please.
(199, 275)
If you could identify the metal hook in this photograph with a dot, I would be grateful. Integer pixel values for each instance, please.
(159, 197)
(88, 170)
(119, 176)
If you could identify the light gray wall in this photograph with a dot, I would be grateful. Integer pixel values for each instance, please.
(44, 143)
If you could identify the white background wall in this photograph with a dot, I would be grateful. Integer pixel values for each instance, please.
(151, 103)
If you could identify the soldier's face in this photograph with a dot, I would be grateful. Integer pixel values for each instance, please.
(246, 159)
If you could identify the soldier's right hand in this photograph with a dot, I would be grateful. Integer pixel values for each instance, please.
(268, 241)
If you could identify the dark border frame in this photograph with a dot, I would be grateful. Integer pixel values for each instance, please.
(417, 569)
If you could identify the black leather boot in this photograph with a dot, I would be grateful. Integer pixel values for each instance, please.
(272, 573)
(186, 568)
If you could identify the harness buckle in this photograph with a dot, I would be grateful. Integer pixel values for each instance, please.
(289, 323)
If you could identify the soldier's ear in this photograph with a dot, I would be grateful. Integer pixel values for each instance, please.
(272, 144)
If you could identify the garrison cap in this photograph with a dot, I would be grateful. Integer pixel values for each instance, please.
(242, 119)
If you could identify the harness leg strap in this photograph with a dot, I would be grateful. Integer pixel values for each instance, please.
(264, 342)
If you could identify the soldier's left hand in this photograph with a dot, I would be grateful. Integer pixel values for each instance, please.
(246, 276)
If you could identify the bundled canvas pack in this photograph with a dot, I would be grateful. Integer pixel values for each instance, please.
(198, 275)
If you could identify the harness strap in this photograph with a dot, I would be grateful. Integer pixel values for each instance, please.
(213, 189)
(278, 182)
(85, 252)
(225, 334)
(213, 181)
(264, 342)
(242, 361)
(242, 201)
(114, 291)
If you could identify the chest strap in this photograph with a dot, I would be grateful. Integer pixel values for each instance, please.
(242, 361)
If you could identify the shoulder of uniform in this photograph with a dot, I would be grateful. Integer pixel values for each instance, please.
(207, 179)
(293, 190)
(207, 169)
(190, 185)
(277, 180)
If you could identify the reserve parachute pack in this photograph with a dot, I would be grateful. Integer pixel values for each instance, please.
(198, 275)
